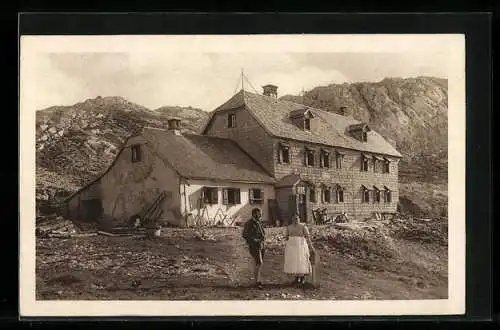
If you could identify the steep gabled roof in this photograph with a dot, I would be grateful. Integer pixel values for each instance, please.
(206, 157)
(331, 129)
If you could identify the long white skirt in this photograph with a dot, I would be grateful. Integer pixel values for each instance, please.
(297, 256)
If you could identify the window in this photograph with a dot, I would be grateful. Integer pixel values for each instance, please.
(364, 163)
(366, 195)
(386, 165)
(309, 157)
(312, 195)
(256, 196)
(231, 196)
(364, 136)
(325, 158)
(340, 196)
(210, 195)
(307, 124)
(338, 160)
(231, 120)
(284, 154)
(387, 195)
(375, 167)
(376, 198)
(326, 195)
(136, 153)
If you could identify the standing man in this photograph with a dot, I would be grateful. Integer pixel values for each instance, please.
(254, 235)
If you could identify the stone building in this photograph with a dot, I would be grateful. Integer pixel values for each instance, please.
(319, 159)
(255, 150)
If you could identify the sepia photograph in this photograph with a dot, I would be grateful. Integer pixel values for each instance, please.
(270, 175)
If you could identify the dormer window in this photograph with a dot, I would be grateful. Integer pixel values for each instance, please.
(231, 120)
(360, 131)
(307, 124)
(308, 157)
(302, 118)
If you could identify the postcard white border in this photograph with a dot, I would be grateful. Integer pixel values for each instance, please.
(453, 44)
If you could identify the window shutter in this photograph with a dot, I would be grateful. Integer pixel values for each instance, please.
(362, 162)
(305, 156)
(225, 200)
(250, 196)
(321, 157)
(237, 196)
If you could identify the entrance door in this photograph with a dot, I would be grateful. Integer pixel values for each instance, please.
(91, 210)
(302, 207)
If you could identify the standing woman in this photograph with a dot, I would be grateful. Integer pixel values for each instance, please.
(298, 243)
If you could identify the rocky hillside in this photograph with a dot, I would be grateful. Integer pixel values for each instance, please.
(76, 143)
(411, 113)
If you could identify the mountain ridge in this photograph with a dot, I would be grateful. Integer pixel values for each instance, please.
(75, 143)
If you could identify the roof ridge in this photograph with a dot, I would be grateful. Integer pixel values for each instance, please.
(303, 105)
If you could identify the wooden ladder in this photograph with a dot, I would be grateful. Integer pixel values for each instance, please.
(153, 211)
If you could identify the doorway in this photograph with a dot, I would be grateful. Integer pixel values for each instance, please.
(91, 210)
(302, 207)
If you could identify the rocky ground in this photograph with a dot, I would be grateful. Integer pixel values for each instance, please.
(401, 259)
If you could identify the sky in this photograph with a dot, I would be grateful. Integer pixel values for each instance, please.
(206, 79)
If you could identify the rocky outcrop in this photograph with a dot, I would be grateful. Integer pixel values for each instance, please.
(411, 113)
(74, 144)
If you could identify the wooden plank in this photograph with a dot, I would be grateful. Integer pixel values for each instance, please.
(100, 232)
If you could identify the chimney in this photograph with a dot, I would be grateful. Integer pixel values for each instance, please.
(270, 90)
(174, 125)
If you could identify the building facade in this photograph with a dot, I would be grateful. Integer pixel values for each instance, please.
(204, 180)
(254, 151)
(320, 160)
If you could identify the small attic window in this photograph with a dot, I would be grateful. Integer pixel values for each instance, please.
(231, 120)
(136, 153)
(307, 124)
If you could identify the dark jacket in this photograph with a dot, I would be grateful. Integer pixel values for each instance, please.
(253, 232)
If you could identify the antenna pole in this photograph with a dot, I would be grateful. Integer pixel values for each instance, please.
(242, 80)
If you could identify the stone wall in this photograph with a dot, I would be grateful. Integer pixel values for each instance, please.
(129, 186)
(349, 176)
(248, 133)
